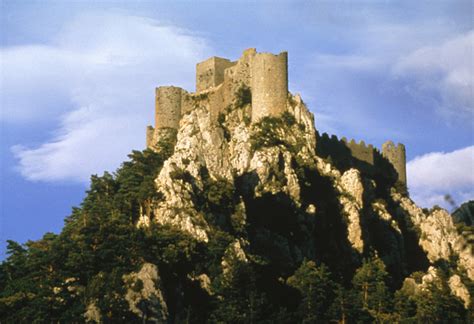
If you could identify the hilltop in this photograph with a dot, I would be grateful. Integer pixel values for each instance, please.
(239, 211)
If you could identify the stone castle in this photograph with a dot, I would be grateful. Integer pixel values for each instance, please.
(265, 76)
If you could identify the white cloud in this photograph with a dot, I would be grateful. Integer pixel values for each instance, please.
(433, 175)
(350, 62)
(97, 80)
(445, 69)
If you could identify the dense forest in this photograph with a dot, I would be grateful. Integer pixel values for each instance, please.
(102, 267)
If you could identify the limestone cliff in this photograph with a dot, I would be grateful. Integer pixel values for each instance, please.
(236, 213)
(259, 176)
(274, 161)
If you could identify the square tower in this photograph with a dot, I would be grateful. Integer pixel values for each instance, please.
(210, 73)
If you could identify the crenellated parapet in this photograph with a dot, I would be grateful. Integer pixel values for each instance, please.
(365, 157)
(343, 149)
(360, 151)
(263, 78)
(396, 155)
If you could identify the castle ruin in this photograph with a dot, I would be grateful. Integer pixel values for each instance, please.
(265, 76)
(396, 155)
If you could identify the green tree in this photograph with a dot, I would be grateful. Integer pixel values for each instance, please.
(239, 299)
(317, 291)
(405, 306)
(135, 180)
(436, 304)
(370, 282)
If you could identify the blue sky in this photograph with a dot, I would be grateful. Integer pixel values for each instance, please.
(77, 84)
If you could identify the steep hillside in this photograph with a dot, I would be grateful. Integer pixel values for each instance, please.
(225, 220)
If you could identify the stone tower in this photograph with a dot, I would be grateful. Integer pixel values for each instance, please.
(269, 84)
(149, 136)
(397, 156)
(168, 107)
(210, 73)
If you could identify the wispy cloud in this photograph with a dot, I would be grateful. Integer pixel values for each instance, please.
(422, 67)
(97, 79)
(446, 71)
(433, 175)
(350, 62)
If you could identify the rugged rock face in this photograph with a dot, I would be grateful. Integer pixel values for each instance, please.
(348, 213)
(438, 235)
(93, 313)
(459, 289)
(240, 217)
(455, 283)
(202, 146)
(144, 295)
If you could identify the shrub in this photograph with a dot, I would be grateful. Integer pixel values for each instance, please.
(267, 133)
(272, 131)
(243, 96)
(180, 174)
(288, 119)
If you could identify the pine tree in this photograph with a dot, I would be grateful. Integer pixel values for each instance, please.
(317, 291)
(370, 282)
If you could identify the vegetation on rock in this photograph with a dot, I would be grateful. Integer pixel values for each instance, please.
(270, 258)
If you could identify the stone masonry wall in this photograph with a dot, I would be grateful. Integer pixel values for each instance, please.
(266, 75)
(269, 74)
(342, 148)
(168, 107)
(149, 136)
(360, 151)
(237, 75)
(397, 156)
(210, 73)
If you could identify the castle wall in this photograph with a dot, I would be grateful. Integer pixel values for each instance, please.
(188, 103)
(149, 136)
(168, 107)
(238, 75)
(210, 73)
(218, 81)
(349, 153)
(216, 103)
(397, 156)
(269, 74)
(361, 151)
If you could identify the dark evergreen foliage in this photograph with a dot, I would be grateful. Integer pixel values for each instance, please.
(300, 267)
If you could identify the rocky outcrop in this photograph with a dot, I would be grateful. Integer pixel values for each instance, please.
(438, 235)
(224, 151)
(456, 285)
(144, 295)
(266, 159)
(459, 289)
(351, 199)
(234, 253)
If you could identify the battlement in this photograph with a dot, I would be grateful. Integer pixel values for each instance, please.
(342, 148)
(218, 84)
(360, 151)
(396, 154)
(365, 157)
